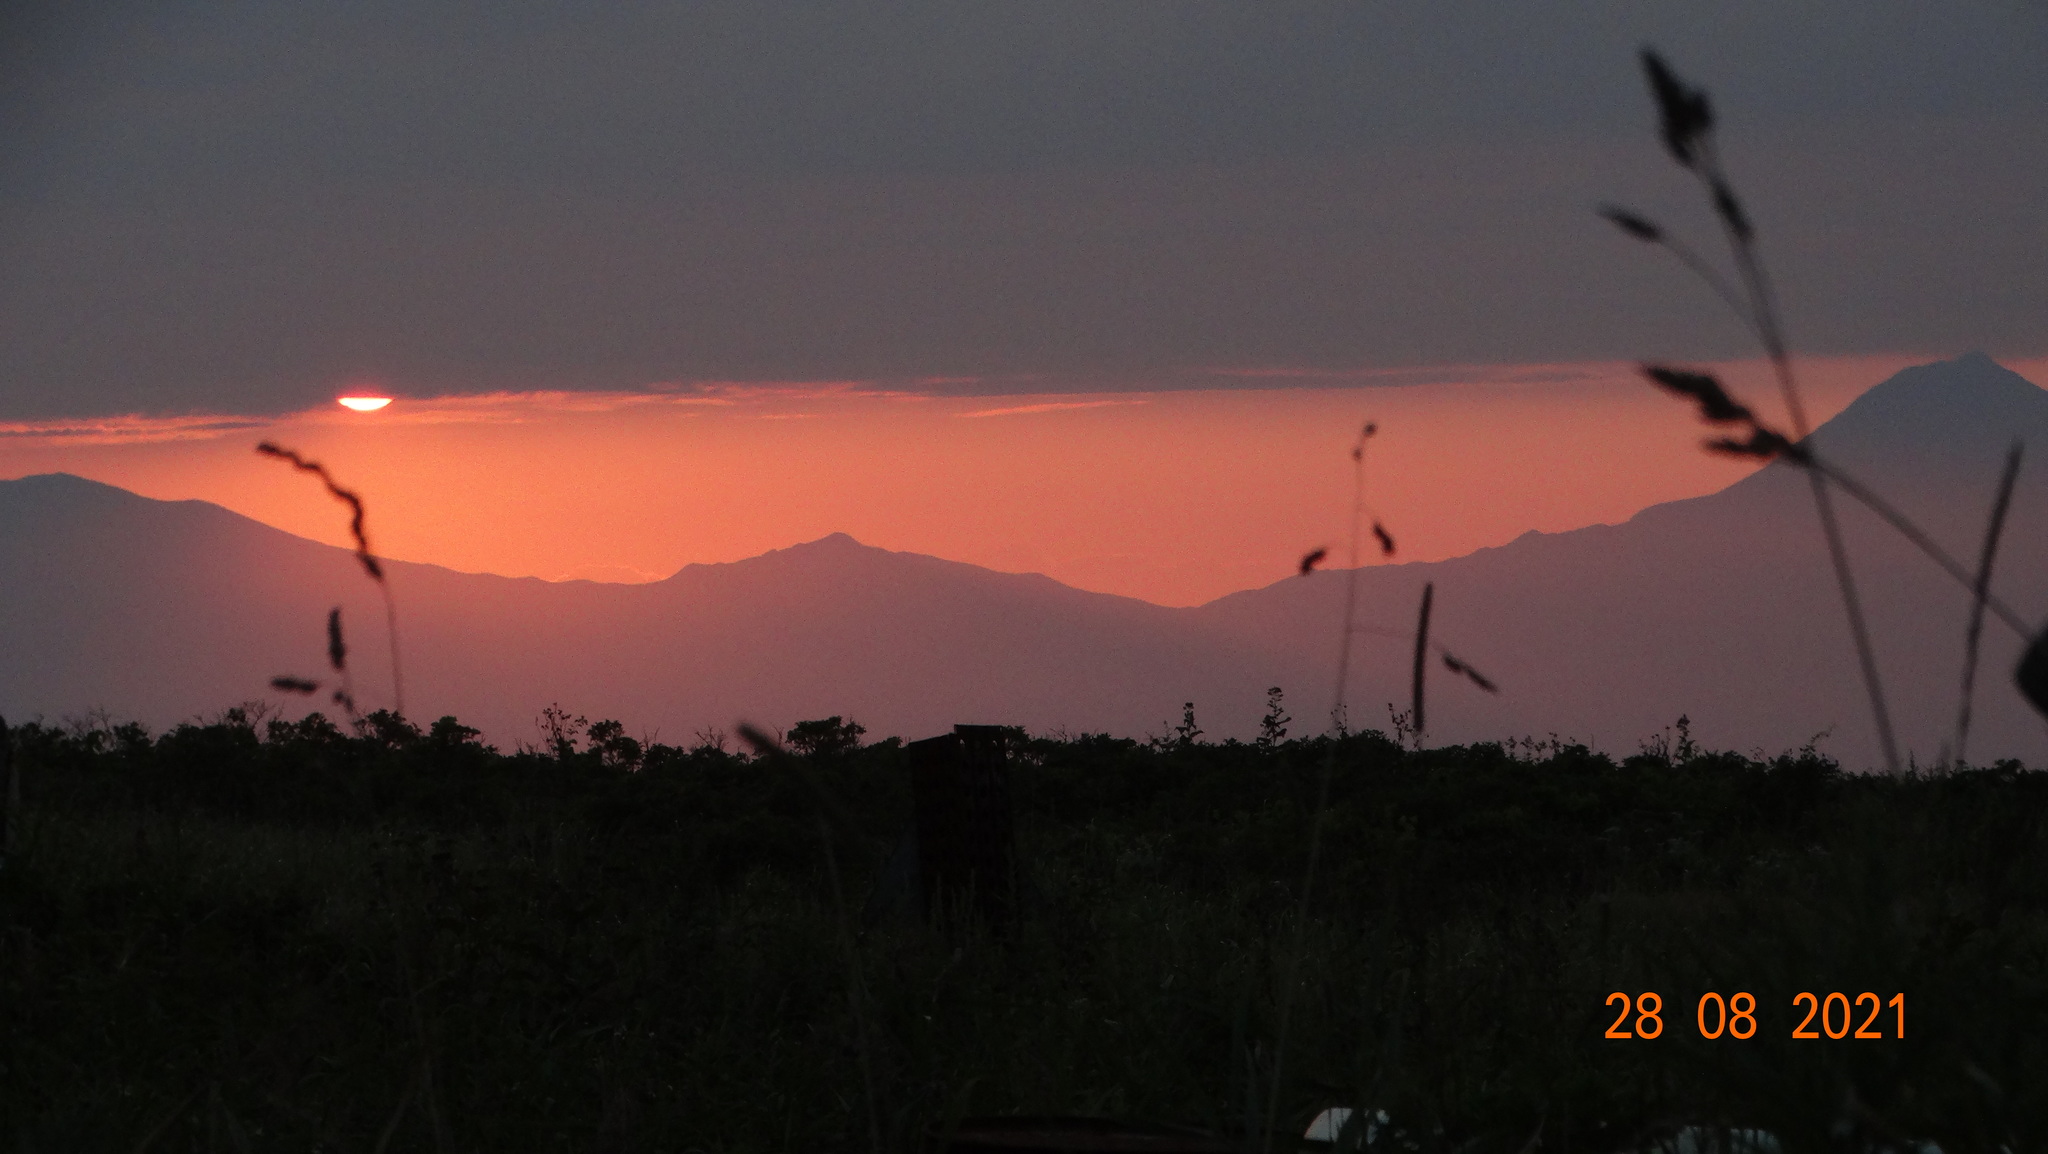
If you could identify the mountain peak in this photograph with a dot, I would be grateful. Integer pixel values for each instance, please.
(61, 495)
(1963, 404)
(831, 549)
(830, 545)
(52, 483)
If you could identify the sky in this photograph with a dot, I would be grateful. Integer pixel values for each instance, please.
(1098, 290)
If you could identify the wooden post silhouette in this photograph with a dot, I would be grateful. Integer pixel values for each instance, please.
(965, 834)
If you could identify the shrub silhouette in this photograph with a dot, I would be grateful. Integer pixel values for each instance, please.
(825, 736)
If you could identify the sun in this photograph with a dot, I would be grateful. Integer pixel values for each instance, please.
(364, 404)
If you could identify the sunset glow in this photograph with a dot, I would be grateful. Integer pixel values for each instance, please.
(1172, 496)
(364, 404)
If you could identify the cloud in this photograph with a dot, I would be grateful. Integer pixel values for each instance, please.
(755, 391)
(127, 429)
(511, 408)
(1048, 407)
(1298, 377)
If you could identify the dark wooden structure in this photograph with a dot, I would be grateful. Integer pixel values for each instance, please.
(966, 837)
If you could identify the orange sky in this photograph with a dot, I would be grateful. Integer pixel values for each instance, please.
(1175, 497)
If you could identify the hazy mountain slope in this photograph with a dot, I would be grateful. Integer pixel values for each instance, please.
(152, 609)
(162, 610)
(906, 643)
(1724, 607)
(1721, 607)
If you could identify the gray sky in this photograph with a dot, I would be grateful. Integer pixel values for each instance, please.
(241, 207)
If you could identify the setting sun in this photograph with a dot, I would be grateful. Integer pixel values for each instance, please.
(364, 404)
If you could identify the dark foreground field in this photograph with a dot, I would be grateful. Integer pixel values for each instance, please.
(229, 938)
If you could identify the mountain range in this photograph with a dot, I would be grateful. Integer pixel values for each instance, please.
(1722, 608)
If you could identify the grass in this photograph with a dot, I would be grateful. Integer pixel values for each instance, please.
(337, 651)
(1974, 631)
(1687, 126)
(232, 933)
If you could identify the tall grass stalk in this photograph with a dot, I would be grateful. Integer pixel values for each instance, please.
(1315, 832)
(1741, 238)
(1992, 531)
(1687, 128)
(367, 559)
(1688, 131)
(337, 659)
(1918, 537)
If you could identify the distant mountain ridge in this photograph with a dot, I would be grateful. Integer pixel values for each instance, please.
(1721, 607)
(163, 610)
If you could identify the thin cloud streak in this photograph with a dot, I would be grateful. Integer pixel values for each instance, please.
(130, 429)
(1267, 376)
(1049, 407)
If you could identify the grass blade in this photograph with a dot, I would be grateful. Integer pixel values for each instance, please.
(1421, 660)
(1859, 629)
(1918, 537)
(1999, 506)
(1329, 768)
(371, 565)
(1688, 124)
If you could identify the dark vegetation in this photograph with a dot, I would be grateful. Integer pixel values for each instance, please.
(287, 936)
